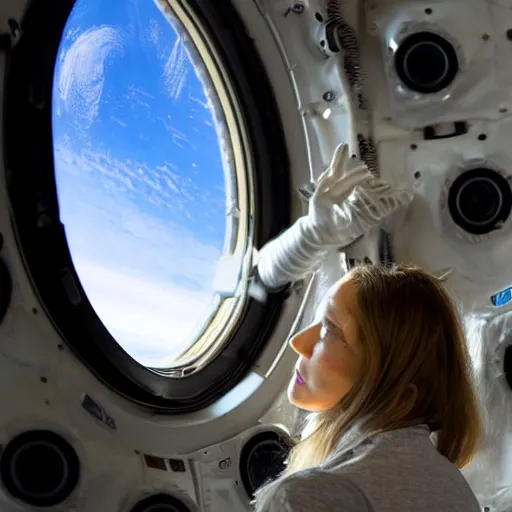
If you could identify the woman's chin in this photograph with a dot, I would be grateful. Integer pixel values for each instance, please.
(295, 393)
(299, 396)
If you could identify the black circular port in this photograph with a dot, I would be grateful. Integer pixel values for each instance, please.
(480, 200)
(160, 503)
(426, 62)
(262, 459)
(39, 468)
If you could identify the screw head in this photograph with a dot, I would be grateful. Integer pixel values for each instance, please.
(329, 96)
(298, 8)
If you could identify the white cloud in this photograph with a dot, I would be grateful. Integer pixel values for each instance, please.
(154, 32)
(155, 39)
(199, 101)
(82, 71)
(118, 121)
(102, 227)
(136, 90)
(152, 321)
(148, 277)
(162, 185)
(175, 71)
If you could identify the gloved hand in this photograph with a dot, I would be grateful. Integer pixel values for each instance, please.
(347, 202)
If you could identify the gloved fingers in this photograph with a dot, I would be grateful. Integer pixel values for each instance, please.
(388, 194)
(325, 177)
(337, 191)
(364, 200)
(339, 160)
(404, 197)
(325, 182)
(339, 168)
(342, 164)
(321, 178)
(344, 186)
(379, 187)
(335, 169)
(391, 201)
(354, 170)
(395, 200)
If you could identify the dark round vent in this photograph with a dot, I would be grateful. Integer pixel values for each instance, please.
(480, 201)
(40, 468)
(426, 62)
(5, 290)
(263, 458)
(160, 503)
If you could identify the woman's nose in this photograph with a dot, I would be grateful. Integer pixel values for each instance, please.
(304, 341)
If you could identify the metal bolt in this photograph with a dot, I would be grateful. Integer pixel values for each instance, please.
(224, 464)
(298, 8)
(329, 96)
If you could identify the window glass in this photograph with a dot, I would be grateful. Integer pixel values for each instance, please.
(140, 176)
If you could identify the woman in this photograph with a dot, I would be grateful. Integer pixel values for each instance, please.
(384, 368)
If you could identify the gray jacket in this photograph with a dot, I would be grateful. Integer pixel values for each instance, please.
(398, 471)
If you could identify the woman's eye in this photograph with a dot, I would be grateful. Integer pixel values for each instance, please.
(325, 333)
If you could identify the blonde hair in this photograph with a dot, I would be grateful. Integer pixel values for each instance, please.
(415, 370)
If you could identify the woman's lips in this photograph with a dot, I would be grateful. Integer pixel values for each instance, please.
(299, 378)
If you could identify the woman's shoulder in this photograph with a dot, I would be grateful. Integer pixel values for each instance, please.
(317, 490)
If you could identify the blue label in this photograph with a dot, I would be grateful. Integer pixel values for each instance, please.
(503, 297)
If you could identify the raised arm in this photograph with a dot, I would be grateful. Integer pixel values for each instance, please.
(347, 202)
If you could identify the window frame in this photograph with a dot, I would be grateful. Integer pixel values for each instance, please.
(32, 191)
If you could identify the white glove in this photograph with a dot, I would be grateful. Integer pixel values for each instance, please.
(347, 203)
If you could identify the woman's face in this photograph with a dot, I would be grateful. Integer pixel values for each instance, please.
(330, 355)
